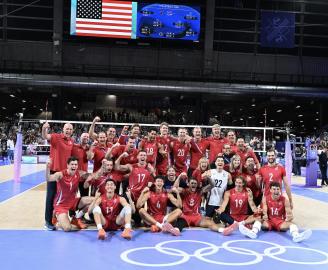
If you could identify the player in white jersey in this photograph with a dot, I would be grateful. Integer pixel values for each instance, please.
(219, 179)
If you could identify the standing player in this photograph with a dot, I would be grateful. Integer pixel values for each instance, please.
(135, 132)
(219, 180)
(98, 151)
(277, 215)
(163, 158)
(245, 152)
(157, 200)
(238, 199)
(197, 150)
(61, 146)
(150, 146)
(80, 151)
(111, 133)
(231, 136)
(274, 172)
(180, 150)
(215, 143)
(111, 212)
(65, 200)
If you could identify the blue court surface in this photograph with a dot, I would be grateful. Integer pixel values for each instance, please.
(195, 249)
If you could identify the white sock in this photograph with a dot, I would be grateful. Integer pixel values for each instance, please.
(79, 214)
(220, 230)
(159, 225)
(256, 226)
(99, 226)
(127, 226)
(293, 230)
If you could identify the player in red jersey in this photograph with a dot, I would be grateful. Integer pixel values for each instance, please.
(231, 136)
(98, 151)
(274, 172)
(238, 199)
(111, 133)
(197, 150)
(150, 146)
(135, 132)
(141, 173)
(235, 168)
(65, 200)
(252, 179)
(111, 212)
(80, 151)
(61, 146)
(157, 199)
(215, 143)
(245, 152)
(180, 149)
(163, 157)
(277, 215)
(189, 216)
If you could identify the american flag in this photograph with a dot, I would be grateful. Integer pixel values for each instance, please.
(103, 18)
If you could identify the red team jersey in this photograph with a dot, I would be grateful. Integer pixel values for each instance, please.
(197, 151)
(99, 155)
(81, 153)
(151, 148)
(245, 154)
(138, 180)
(238, 203)
(180, 153)
(157, 204)
(215, 146)
(60, 151)
(190, 207)
(251, 183)
(65, 198)
(271, 174)
(100, 182)
(197, 174)
(163, 162)
(276, 212)
(110, 208)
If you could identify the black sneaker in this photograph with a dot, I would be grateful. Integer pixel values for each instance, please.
(49, 227)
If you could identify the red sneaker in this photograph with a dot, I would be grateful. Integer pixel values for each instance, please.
(78, 223)
(154, 228)
(102, 234)
(127, 234)
(230, 229)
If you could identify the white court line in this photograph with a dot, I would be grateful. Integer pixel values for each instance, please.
(21, 193)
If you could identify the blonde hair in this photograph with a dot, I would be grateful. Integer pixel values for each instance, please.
(201, 160)
(231, 167)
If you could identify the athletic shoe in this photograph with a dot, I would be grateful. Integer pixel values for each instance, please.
(167, 227)
(302, 236)
(127, 234)
(247, 232)
(78, 223)
(102, 234)
(49, 227)
(230, 229)
(154, 228)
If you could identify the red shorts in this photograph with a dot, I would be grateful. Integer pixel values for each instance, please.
(64, 208)
(111, 225)
(239, 218)
(275, 223)
(159, 218)
(192, 220)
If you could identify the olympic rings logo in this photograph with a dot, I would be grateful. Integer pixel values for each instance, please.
(272, 252)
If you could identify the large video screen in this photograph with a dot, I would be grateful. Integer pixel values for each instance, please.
(131, 20)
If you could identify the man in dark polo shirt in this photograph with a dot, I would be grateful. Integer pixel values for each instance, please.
(61, 146)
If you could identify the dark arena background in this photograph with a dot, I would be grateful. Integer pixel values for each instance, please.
(257, 69)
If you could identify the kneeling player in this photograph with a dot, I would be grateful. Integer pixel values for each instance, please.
(157, 203)
(67, 186)
(277, 215)
(238, 200)
(111, 212)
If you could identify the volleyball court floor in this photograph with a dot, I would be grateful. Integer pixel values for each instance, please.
(25, 245)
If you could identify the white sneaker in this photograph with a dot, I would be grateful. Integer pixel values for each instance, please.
(247, 232)
(167, 227)
(302, 236)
